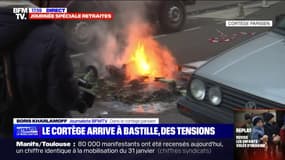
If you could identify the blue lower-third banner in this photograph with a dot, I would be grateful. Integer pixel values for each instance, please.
(107, 131)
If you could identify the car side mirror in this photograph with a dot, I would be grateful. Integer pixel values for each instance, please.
(279, 18)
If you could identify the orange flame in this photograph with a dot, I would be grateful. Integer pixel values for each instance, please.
(148, 58)
(144, 56)
(142, 65)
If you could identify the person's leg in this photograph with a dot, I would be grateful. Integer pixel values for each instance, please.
(283, 151)
(269, 151)
(273, 152)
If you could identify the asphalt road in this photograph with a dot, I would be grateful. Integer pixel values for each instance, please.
(194, 43)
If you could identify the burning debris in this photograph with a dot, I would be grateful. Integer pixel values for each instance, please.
(145, 57)
(142, 71)
(143, 89)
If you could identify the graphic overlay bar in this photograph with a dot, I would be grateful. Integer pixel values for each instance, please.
(105, 128)
(72, 16)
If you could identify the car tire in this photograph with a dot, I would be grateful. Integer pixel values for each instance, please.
(172, 16)
(78, 37)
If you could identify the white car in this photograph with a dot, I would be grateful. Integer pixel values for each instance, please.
(248, 76)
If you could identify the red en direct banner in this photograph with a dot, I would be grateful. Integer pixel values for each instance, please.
(72, 16)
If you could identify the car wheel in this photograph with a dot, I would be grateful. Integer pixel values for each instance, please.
(80, 33)
(172, 16)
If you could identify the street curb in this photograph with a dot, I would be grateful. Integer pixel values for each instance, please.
(227, 6)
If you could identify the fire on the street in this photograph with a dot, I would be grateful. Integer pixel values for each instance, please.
(145, 57)
(145, 72)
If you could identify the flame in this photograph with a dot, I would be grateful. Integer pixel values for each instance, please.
(144, 56)
(141, 61)
(148, 58)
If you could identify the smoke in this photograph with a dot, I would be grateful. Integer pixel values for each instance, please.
(116, 41)
(111, 38)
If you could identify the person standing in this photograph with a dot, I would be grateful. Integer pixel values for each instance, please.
(38, 71)
(282, 138)
(272, 130)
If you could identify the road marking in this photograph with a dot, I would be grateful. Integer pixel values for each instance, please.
(161, 35)
(192, 29)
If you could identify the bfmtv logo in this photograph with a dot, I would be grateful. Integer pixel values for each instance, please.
(21, 13)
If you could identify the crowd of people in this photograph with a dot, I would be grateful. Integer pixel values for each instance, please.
(266, 130)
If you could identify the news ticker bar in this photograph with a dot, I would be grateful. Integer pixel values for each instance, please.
(107, 129)
(72, 16)
(58, 14)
